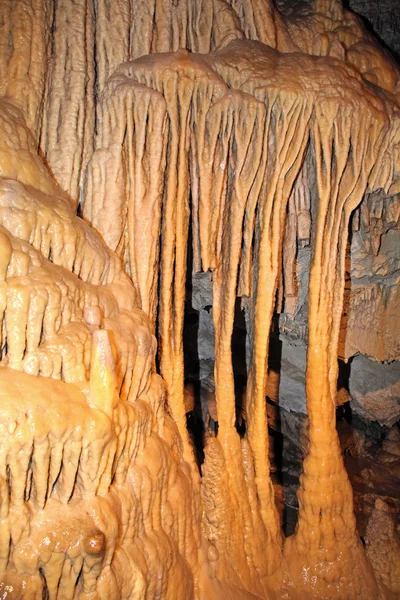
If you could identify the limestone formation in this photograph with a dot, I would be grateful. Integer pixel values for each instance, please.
(251, 149)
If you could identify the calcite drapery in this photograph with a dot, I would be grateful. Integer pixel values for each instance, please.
(259, 131)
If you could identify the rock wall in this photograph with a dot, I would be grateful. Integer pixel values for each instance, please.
(383, 18)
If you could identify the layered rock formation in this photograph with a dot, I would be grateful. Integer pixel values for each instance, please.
(140, 141)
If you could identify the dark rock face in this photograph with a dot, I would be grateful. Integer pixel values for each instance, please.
(383, 16)
(375, 390)
(368, 411)
(372, 459)
(382, 534)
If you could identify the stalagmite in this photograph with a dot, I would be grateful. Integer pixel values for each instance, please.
(325, 494)
(142, 144)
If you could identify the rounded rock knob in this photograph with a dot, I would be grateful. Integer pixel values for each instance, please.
(95, 544)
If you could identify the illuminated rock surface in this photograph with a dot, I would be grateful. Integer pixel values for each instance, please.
(142, 143)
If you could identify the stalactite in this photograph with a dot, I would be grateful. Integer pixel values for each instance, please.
(222, 136)
(112, 34)
(289, 153)
(243, 163)
(128, 169)
(69, 103)
(24, 55)
(345, 154)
